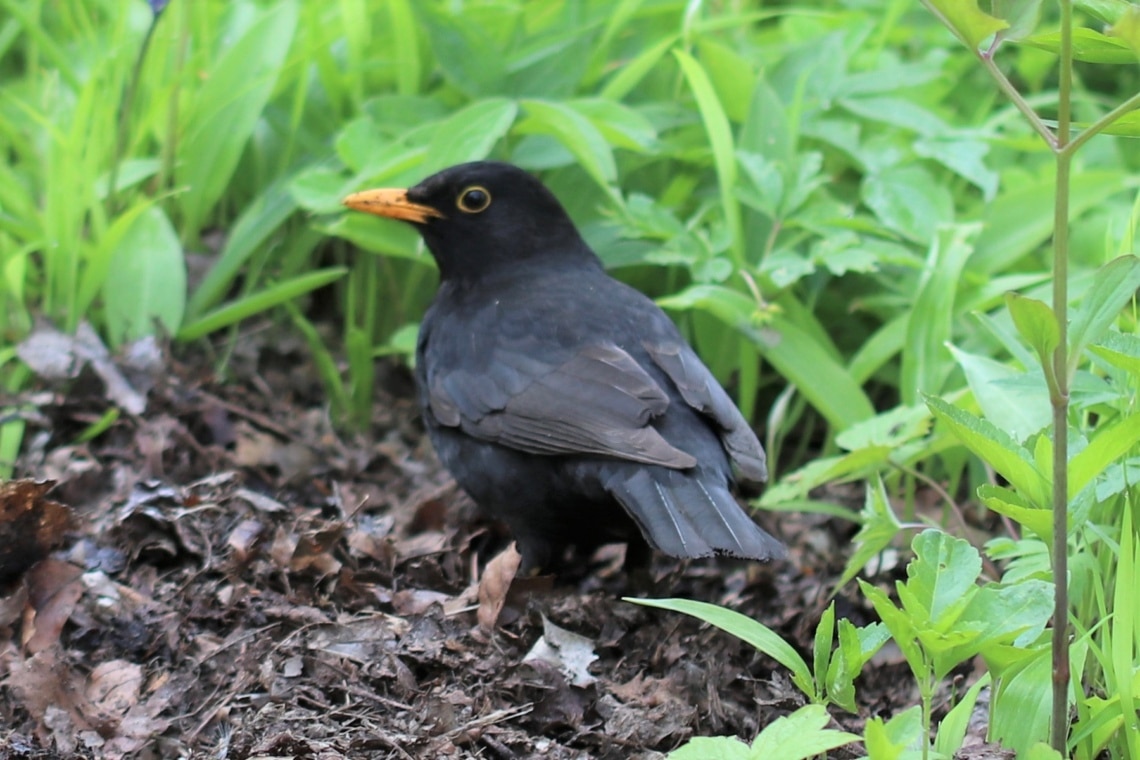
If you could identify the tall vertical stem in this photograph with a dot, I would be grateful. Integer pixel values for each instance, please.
(1059, 733)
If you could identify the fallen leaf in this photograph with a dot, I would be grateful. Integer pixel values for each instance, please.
(30, 525)
(496, 584)
(570, 652)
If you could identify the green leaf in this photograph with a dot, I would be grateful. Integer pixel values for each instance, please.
(243, 308)
(470, 133)
(576, 132)
(909, 201)
(901, 626)
(1113, 287)
(1017, 410)
(1127, 28)
(798, 736)
(968, 23)
(952, 729)
(924, 368)
(943, 575)
(1120, 350)
(880, 526)
(1019, 221)
(1006, 502)
(747, 630)
(723, 149)
(889, 740)
(1089, 46)
(149, 281)
(1110, 443)
(821, 649)
(261, 217)
(712, 748)
(996, 448)
(226, 108)
(1037, 324)
(1022, 16)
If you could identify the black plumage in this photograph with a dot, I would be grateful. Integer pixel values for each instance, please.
(566, 403)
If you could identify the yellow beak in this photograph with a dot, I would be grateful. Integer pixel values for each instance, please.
(392, 203)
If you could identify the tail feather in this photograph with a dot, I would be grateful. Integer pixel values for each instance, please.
(684, 515)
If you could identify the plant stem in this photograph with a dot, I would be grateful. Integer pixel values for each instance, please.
(1059, 732)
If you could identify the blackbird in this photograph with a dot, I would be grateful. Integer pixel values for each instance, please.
(565, 402)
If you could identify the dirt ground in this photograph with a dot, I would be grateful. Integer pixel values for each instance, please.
(232, 577)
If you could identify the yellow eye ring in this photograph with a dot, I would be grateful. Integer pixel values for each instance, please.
(473, 200)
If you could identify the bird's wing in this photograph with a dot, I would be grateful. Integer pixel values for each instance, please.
(702, 392)
(599, 401)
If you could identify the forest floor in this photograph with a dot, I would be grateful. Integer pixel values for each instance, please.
(232, 577)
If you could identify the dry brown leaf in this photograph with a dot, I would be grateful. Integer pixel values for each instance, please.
(53, 589)
(30, 525)
(496, 584)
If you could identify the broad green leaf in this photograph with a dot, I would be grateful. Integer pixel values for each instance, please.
(382, 236)
(1106, 11)
(1036, 323)
(1126, 125)
(468, 54)
(1021, 705)
(1127, 28)
(909, 201)
(1089, 46)
(798, 736)
(712, 748)
(1018, 411)
(1019, 221)
(996, 448)
(633, 72)
(888, 740)
(943, 574)
(470, 133)
(924, 367)
(576, 132)
(621, 125)
(1120, 350)
(234, 93)
(1109, 445)
(1006, 502)
(149, 281)
(747, 630)
(1114, 285)
(1022, 16)
(968, 23)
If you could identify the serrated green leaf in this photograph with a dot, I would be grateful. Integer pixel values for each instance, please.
(880, 526)
(994, 446)
(1018, 411)
(1006, 502)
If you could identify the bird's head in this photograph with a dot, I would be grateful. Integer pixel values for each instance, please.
(481, 218)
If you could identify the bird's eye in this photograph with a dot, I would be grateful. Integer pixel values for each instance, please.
(474, 199)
